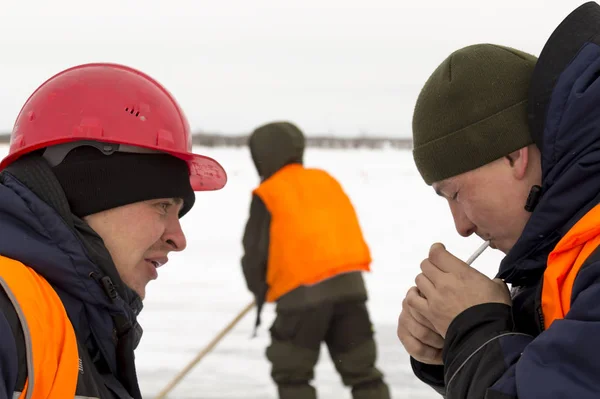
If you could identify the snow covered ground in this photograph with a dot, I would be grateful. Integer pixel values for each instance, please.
(202, 289)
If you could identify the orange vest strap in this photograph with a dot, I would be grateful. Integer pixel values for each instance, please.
(564, 263)
(50, 342)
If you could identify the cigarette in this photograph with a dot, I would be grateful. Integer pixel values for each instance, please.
(478, 252)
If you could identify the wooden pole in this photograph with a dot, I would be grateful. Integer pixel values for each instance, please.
(204, 351)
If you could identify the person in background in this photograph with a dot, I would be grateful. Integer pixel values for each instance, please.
(304, 249)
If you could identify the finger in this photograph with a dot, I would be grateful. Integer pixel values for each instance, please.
(416, 317)
(436, 246)
(422, 353)
(412, 291)
(425, 285)
(444, 260)
(424, 334)
(420, 318)
(419, 303)
(431, 271)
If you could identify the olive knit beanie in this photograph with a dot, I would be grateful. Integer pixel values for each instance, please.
(472, 110)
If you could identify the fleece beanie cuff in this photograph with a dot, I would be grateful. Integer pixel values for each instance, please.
(474, 146)
(95, 182)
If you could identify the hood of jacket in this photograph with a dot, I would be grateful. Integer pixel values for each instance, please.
(275, 145)
(565, 123)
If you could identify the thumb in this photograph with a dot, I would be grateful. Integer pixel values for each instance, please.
(435, 247)
(444, 260)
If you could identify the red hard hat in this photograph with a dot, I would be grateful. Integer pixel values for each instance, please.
(110, 103)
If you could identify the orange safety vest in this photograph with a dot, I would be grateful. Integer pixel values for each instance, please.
(50, 343)
(314, 232)
(564, 263)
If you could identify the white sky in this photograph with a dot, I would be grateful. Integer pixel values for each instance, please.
(343, 67)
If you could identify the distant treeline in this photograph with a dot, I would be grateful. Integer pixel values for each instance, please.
(223, 140)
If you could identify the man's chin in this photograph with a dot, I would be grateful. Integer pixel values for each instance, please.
(140, 291)
(500, 246)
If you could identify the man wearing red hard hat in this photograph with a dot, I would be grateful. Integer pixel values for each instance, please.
(98, 174)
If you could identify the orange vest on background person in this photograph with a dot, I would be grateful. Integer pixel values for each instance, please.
(564, 263)
(50, 342)
(314, 233)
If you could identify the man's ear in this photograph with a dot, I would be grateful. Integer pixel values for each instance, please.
(518, 161)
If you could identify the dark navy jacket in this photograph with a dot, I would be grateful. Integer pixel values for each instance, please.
(39, 231)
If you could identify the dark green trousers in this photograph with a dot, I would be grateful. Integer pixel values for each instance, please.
(346, 329)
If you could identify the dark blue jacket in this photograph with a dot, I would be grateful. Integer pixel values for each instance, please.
(494, 351)
(39, 231)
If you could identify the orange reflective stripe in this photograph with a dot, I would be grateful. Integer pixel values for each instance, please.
(315, 232)
(51, 346)
(564, 262)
